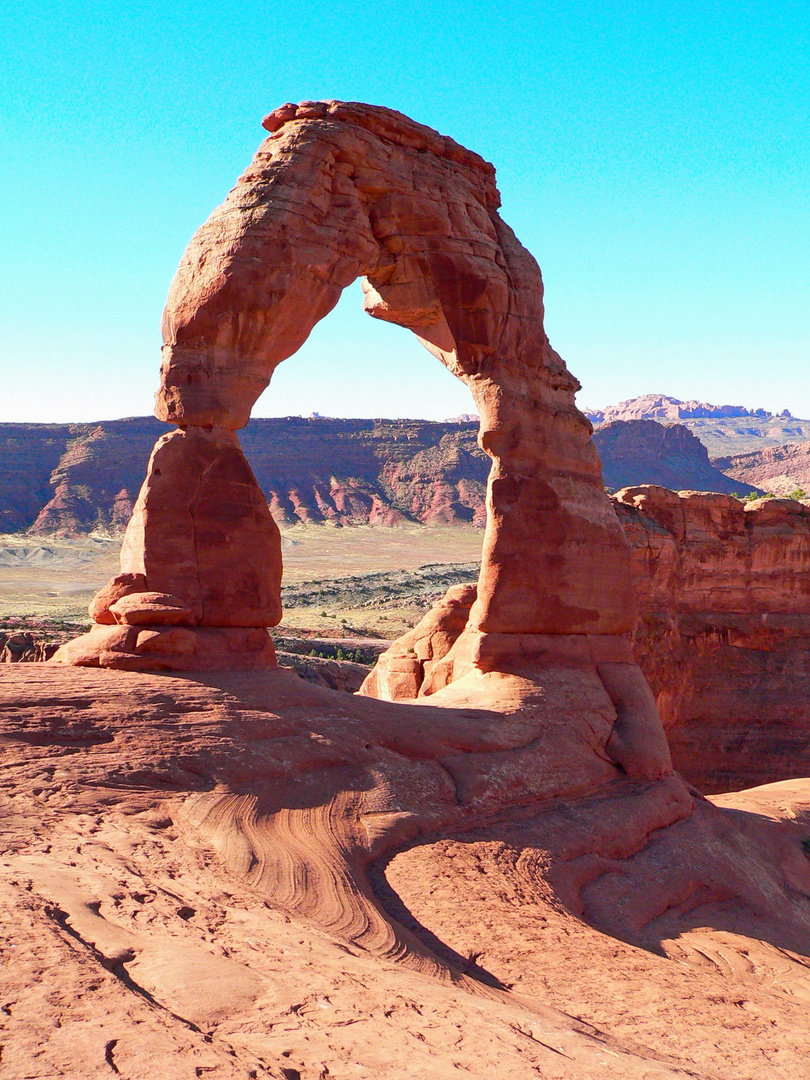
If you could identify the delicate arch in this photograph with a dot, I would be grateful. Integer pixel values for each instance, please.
(339, 191)
(343, 190)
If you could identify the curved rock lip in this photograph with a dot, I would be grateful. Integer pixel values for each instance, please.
(388, 124)
(152, 609)
(170, 648)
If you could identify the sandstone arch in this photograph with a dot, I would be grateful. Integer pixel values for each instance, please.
(339, 191)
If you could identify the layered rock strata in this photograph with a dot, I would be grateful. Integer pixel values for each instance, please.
(645, 452)
(778, 469)
(724, 638)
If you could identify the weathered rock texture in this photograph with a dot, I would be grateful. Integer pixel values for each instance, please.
(723, 638)
(340, 191)
(380, 472)
(644, 452)
(778, 469)
(723, 429)
(69, 480)
(28, 455)
(243, 875)
(200, 566)
(662, 407)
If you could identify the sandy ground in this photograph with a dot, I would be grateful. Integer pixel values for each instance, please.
(48, 577)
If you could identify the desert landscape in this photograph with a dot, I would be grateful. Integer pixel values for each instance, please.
(399, 748)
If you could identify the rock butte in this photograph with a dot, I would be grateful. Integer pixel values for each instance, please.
(210, 873)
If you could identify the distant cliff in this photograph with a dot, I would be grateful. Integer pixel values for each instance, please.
(661, 407)
(70, 479)
(723, 429)
(778, 469)
(644, 452)
(74, 478)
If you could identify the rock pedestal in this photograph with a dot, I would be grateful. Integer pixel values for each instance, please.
(200, 566)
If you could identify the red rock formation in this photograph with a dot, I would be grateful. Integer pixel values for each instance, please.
(779, 469)
(401, 670)
(724, 637)
(28, 455)
(416, 216)
(723, 429)
(271, 804)
(644, 452)
(201, 550)
(336, 192)
(661, 407)
(95, 480)
(336, 470)
(67, 480)
(241, 874)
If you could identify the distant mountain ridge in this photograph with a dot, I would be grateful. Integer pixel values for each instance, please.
(662, 407)
(78, 478)
(725, 430)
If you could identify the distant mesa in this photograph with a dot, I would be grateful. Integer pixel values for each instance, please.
(74, 479)
(662, 407)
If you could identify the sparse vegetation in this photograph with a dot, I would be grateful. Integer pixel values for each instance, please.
(378, 590)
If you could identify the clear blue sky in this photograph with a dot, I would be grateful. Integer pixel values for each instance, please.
(654, 157)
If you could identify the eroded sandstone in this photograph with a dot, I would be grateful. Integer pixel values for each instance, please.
(339, 191)
(723, 637)
(243, 874)
(237, 849)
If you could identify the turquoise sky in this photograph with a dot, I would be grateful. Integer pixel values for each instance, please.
(653, 157)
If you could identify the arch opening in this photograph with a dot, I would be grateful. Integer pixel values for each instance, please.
(353, 366)
(340, 191)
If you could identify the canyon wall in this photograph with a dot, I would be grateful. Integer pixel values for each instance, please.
(645, 452)
(73, 479)
(778, 469)
(723, 636)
